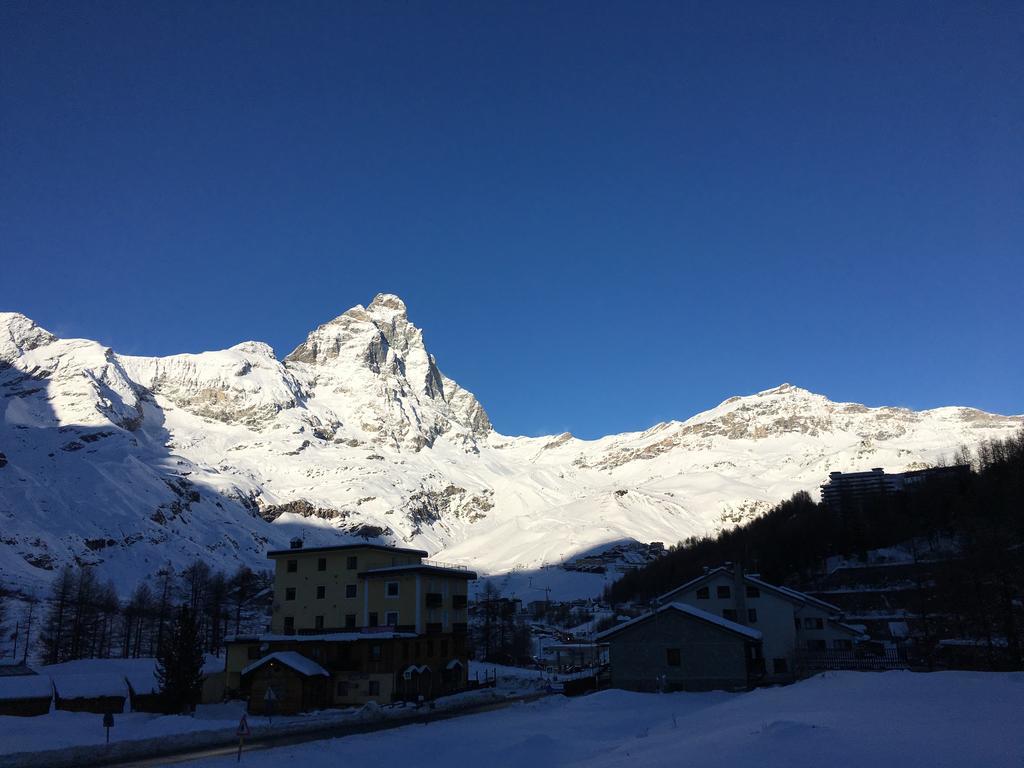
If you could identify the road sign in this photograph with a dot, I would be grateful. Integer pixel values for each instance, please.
(243, 727)
(270, 695)
(108, 723)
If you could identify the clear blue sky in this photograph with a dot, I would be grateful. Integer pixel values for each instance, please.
(603, 214)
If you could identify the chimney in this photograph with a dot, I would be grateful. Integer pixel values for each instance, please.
(296, 543)
(740, 588)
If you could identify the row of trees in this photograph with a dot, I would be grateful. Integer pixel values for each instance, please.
(85, 618)
(976, 589)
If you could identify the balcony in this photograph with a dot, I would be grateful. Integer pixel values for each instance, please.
(459, 602)
(434, 628)
(435, 599)
(460, 628)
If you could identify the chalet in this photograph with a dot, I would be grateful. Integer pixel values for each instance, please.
(98, 692)
(286, 682)
(681, 648)
(23, 693)
(793, 624)
(382, 622)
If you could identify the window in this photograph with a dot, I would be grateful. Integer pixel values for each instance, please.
(318, 622)
(374, 688)
(254, 652)
(780, 666)
(430, 647)
(796, 620)
(391, 618)
(444, 647)
(350, 590)
(842, 644)
(289, 593)
(374, 621)
(405, 651)
(816, 645)
(703, 593)
(752, 615)
(289, 624)
(321, 564)
(352, 563)
(753, 592)
(813, 623)
(375, 652)
(724, 592)
(350, 621)
(729, 613)
(673, 657)
(391, 589)
(321, 592)
(293, 566)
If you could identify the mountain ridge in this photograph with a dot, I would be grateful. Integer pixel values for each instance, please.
(124, 462)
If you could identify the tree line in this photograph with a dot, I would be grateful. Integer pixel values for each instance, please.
(84, 617)
(976, 590)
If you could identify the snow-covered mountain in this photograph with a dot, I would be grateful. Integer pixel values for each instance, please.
(127, 462)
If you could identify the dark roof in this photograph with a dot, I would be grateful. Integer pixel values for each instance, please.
(338, 547)
(460, 573)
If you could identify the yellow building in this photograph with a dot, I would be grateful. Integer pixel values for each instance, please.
(381, 622)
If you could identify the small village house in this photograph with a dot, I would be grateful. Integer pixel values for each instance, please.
(98, 692)
(681, 648)
(23, 693)
(794, 625)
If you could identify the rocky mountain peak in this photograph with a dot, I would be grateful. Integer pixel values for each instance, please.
(388, 302)
(19, 334)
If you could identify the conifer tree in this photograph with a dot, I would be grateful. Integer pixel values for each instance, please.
(179, 668)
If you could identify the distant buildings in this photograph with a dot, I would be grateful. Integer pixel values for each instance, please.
(846, 490)
(352, 624)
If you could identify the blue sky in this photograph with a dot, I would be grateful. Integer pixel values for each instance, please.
(603, 215)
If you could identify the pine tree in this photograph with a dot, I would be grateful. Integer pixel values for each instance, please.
(179, 668)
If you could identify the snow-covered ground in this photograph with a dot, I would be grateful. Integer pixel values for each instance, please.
(839, 720)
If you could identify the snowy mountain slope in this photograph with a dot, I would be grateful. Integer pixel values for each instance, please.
(127, 462)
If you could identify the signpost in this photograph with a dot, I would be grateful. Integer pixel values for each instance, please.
(108, 723)
(242, 732)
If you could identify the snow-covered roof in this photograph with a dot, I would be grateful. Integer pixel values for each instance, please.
(291, 659)
(696, 613)
(336, 637)
(90, 685)
(453, 664)
(422, 568)
(792, 594)
(17, 687)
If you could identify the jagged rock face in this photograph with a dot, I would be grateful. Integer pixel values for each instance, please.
(126, 462)
(376, 350)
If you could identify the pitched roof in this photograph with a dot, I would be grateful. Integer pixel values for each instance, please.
(697, 613)
(291, 659)
(790, 594)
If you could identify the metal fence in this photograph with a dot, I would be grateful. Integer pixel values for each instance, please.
(811, 662)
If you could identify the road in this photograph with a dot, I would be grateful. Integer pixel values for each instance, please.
(270, 741)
